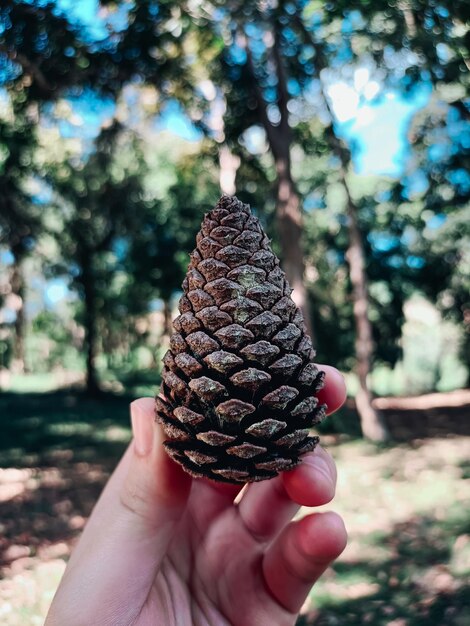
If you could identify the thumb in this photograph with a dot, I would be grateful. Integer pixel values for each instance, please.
(129, 531)
(155, 488)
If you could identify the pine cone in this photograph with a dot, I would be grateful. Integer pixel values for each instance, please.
(239, 381)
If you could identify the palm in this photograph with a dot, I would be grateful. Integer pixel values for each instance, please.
(213, 572)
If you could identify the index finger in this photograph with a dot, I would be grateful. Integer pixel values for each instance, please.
(333, 393)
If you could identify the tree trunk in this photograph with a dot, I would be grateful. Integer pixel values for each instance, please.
(465, 345)
(372, 422)
(167, 319)
(18, 290)
(289, 223)
(288, 206)
(228, 164)
(409, 18)
(91, 331)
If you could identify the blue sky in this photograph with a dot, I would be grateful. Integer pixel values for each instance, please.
(89, 13)
(377, 128)
(84, 10)
(380, 130)
(376, 123)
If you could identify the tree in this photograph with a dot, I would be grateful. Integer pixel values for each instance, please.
(41, 55)
(440, 53)
(281, 33)
(435, 32)
(427, 42)
(438, 180)
(45, 55)
(20, 222)
(97, 204)
(254, 74)
(372, 421)
(159, 249)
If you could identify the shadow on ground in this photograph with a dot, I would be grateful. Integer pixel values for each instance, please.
(423, 581)
(38, 428)
(58, 450)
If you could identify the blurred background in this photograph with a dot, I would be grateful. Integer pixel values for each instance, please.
(346, 127)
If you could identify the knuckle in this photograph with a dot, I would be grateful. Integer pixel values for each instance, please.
(134, 498)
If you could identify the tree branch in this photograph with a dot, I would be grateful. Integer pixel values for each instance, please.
(281, 80)
(271, 131)
(29, 67)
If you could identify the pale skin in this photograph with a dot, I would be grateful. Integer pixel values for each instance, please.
(163, 549)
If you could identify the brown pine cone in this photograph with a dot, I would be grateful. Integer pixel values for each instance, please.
(239, 381)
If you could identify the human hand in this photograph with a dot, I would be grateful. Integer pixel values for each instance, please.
(161, 548)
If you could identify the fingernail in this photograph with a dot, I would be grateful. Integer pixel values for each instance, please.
(142, 429)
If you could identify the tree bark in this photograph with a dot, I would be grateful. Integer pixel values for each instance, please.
(289, 224)
(18, 289)
(288, 206)
(228, 166)
(167, 319)
(372, 421)
(408, 17)
(91, 331)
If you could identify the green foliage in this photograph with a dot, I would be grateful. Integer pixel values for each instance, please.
(253, 62)
(93, 216)
(19, 218)
(43, 52)
(438, 182)
(158, 253)
(52, 343)
(410, 41)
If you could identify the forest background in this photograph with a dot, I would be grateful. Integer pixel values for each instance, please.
(346, 128)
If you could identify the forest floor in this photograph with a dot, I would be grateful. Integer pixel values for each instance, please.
(406, 506)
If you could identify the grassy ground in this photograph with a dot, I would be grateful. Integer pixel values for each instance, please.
(406, 508)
